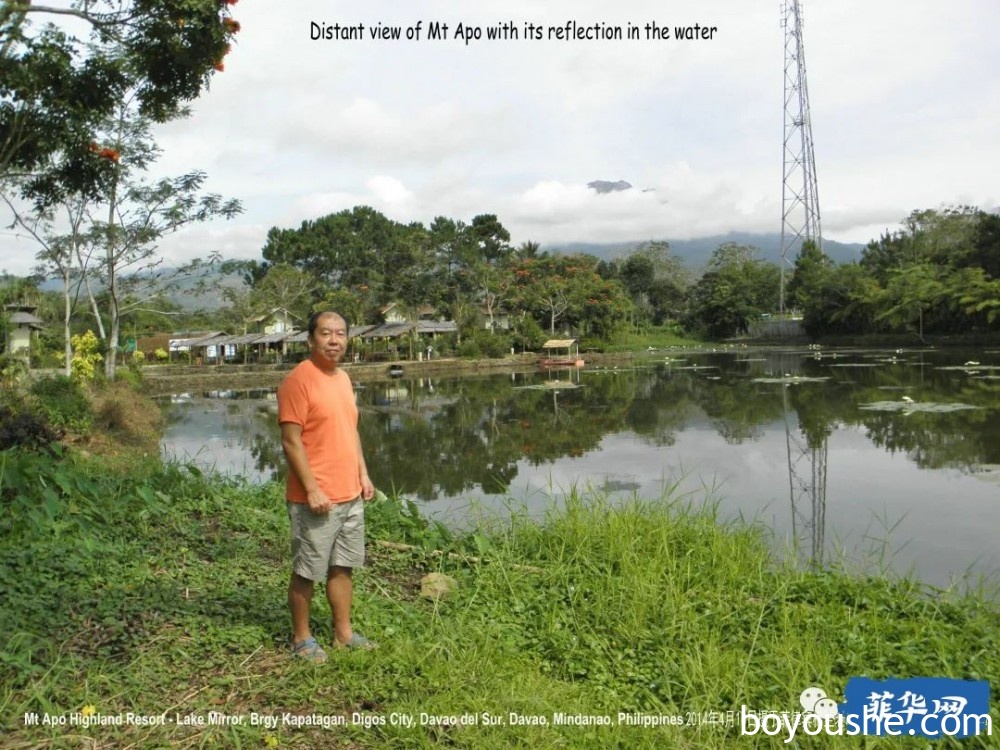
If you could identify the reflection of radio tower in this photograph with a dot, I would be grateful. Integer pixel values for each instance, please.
(807, 489)
(799, 191)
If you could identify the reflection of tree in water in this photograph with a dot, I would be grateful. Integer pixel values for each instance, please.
(268, 454)
(658, 406)
(473, 432)
(739, 408)
(255, 423)
(960, 440)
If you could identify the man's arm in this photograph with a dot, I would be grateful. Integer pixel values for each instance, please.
(367, 488)
(298, 462)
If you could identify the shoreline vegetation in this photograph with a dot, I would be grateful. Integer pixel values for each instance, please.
(145, 608)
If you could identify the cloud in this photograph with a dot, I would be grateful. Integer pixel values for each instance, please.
(369, 131)
(905, 99)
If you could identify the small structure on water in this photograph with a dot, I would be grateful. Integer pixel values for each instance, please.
(553, 357)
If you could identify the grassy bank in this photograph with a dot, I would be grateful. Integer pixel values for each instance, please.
(162, 591)
(659, 338)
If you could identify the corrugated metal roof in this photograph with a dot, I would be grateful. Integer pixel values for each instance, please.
(273, 338)
(248, 338)
(436, 326)
(389, 330)
(213, 339)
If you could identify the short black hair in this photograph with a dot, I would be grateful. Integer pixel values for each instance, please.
(314, 321)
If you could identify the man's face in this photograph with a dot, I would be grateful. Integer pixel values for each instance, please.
(329, 341)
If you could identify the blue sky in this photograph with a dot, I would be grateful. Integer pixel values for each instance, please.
(905, 102)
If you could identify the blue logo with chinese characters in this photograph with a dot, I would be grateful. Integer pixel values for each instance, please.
(931, 707)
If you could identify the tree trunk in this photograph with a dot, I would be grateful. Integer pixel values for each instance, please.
(90, 295)
(67, 314)
(114, 314)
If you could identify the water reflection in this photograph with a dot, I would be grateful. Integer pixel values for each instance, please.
(782, 433)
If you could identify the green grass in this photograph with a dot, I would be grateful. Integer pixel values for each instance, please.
(661, 338)
(164, 592)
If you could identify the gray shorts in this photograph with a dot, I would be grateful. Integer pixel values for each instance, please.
(323, 540)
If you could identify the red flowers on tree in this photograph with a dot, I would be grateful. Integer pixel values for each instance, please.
(111, 154)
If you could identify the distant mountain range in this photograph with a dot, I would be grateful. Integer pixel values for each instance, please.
(697, 252)
(186, 295)
(694, 253)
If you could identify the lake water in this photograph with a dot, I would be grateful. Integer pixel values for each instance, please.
(890, 458)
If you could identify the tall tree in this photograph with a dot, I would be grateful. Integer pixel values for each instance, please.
(57, 88)
(58, 254)
(137, 215)
(284, 286)
(736, 288)
(911, 291)
(809, 275)
(491, 239)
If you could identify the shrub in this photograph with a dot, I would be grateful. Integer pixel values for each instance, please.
(86, 355)
(24, 429)
(491, 344)
(469, 348)
(528, 335)
(63, 402)
(12, 371)
(131, 375)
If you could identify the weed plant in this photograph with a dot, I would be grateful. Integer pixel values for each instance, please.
(161, 591)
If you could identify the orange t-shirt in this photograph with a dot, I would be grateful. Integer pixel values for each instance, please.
(324, 405)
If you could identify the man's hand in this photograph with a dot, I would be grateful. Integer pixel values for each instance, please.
(367, 488)
(318, 501)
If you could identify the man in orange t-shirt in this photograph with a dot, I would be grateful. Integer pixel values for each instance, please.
(327, 484)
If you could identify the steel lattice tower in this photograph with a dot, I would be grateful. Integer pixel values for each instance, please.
(799, 191)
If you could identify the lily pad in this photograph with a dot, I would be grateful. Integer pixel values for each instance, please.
(970, 368)
(549, 385)
(790, 379)
(914, 406)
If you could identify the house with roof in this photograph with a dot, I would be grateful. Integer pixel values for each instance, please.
(278, 320)
(497, 319)
(394, 312)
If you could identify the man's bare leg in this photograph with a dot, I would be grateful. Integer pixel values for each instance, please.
(340, 592)
(300, 593)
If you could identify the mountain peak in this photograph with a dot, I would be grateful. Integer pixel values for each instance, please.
(604, 186)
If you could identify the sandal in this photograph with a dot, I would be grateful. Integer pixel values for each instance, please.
(309, 650)
(357, 641)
